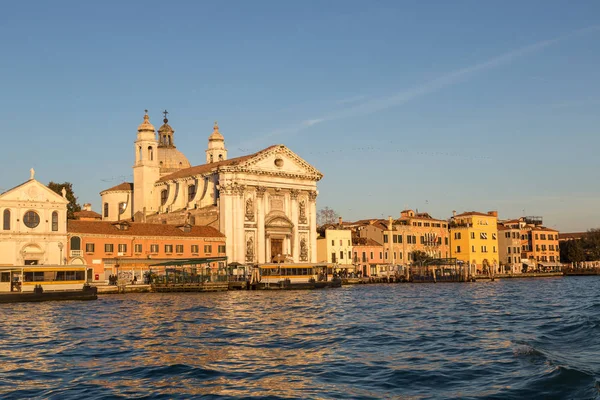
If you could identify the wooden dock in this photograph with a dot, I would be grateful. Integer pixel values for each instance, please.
(190, 287)
(296, 286)
(518, 276)
(581, 271)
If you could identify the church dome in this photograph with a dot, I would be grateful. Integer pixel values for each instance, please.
(171, 160)
(146, 126)
(216, 135)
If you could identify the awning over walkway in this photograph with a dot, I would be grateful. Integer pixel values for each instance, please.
(188, 261)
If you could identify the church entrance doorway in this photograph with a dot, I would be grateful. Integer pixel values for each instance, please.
(276, 248)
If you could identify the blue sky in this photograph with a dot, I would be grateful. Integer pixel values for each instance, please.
(435, 105)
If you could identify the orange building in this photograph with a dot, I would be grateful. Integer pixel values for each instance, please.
(540, 245)
(110, 247)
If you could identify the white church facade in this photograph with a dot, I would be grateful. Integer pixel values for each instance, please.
(34, 225)
(264, 203)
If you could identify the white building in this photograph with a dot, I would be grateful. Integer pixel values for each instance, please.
(264, 203)
(34, 225)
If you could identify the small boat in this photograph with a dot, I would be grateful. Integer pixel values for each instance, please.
(33, 283)
(38, 294)
(294, 276)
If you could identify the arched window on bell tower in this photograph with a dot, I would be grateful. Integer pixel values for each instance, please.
(150, 153)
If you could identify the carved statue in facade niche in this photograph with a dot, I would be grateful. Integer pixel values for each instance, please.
(303, 250)
(302, 212)
(249, 210)
(250, 250)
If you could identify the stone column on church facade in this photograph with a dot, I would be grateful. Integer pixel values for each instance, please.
(239, 230)
(226, 220)
(260, 224)
(312, 197)
(295, 242)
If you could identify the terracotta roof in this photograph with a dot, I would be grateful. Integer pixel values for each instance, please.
(572, 235)
(503, 227)
(364, 242)
(468, 213)
(543, 228)
(139, 229)
(423, 215)
(511, 221)
(87, 214)
(120, 186)
(204, 168)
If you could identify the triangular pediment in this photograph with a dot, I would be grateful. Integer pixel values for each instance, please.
(278, 220)
(32, 190)
(280, 160)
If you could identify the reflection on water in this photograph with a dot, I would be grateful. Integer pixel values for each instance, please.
(504, 339)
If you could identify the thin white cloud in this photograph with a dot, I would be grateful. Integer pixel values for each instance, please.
(449, 79)
(311, 122)
(352, 99)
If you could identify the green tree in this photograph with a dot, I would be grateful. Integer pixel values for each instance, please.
(73, 206)
(572, 251)
(420, 257)
(591, 245)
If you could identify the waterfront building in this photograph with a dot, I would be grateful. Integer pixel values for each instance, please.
(334, 246)
(411, 233)
(539, 244)
(509, 246)
(34, 228)
(264, 203)
(112, 247)
(474, 240)
(420, 232)
(367, 256)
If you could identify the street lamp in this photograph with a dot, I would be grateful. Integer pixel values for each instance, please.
(60, 247)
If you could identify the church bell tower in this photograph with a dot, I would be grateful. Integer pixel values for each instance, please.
(216, 150)
(146, 170)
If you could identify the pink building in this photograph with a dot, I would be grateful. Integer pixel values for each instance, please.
(367, 255)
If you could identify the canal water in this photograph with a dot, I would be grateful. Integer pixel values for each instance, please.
(522, 339)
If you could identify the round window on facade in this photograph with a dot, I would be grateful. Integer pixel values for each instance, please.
(279, 162)
(31, 219)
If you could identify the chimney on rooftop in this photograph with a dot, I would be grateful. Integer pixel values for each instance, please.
(87, 207)
(340, 220)
(454, 213)
(493, 213)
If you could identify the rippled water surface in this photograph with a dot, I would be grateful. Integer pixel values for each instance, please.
(504, 339)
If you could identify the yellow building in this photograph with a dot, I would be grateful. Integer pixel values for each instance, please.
(335, 247)
(474, 240)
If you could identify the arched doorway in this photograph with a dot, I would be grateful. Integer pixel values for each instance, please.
(32, 254)
(279, 237)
